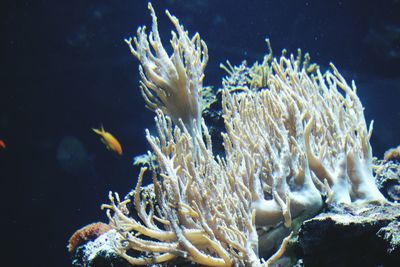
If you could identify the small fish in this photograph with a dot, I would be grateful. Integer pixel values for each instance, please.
(2, 144)
(109, 140)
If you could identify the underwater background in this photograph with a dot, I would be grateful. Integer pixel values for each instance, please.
(65, 69)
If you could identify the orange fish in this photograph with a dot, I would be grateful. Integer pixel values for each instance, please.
(2, 144)
(109, 140)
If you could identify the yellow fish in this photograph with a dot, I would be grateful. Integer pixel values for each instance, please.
(109, 140)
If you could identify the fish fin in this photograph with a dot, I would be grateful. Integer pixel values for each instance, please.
(104, 142)
(99, 132)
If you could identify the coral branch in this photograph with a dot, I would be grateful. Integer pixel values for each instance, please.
(173, 83)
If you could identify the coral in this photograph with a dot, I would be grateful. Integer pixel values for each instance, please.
(203, 213)
(387, 173)
(295, 139)
(392, 154)
(171, 83)
(281, 158)
(87, 233)
(256, 76)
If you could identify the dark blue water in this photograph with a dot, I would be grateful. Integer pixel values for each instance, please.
(65, 69)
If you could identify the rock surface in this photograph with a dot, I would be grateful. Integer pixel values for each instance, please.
(351, 236)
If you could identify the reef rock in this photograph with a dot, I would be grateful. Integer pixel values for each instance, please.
(351, 236)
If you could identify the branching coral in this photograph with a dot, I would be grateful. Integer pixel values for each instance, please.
(173, 83)
(203, 211)
(265, 131)
(336, 130)
(332, 134)
(294, 137)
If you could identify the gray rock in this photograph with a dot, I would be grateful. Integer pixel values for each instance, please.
(352, 236)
